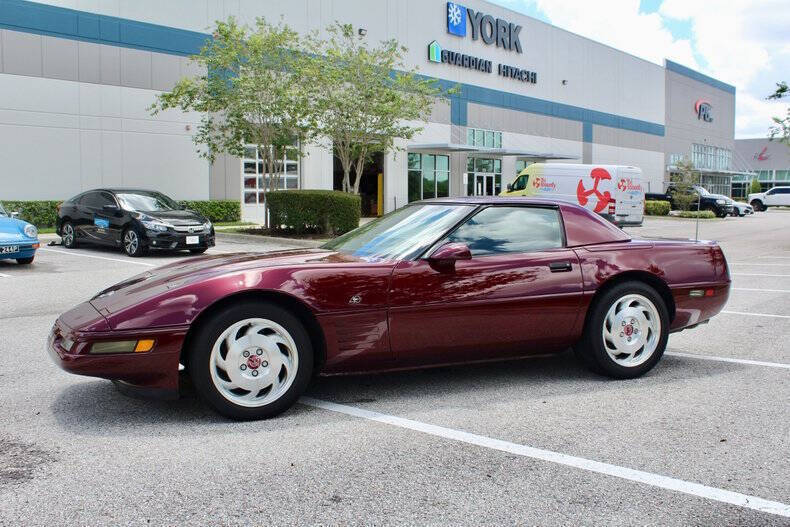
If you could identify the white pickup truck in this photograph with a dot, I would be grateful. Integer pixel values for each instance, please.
(777, 196)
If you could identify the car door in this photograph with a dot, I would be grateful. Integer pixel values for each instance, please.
(97, 218)
(519, 294)
(780, 196)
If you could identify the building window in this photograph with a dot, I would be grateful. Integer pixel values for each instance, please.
(711, 157)
(483, 177)
(521, 165)
(484, 138)
(256, 180)
(782, 175)
(429, 176)
(765, 175)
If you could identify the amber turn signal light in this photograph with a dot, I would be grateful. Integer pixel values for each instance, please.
(144, 345)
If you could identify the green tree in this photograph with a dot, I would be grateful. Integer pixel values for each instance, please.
(366, 97)
(250, 91)
(781, 127)
(755, 187)
(683, 181)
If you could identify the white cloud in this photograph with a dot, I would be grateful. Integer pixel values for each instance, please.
(741, 42)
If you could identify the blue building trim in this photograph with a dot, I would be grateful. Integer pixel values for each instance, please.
(41, 19)
(32, 17)
(587, 132)
(697, 76)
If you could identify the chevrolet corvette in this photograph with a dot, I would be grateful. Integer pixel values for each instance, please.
(443, 281)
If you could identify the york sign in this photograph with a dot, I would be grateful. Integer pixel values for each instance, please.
(491, 30)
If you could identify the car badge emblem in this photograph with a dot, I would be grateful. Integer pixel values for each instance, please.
(356, 299)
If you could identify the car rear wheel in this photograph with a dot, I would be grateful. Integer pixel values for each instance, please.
(68, 236)
(25, 261)
(251, 361)
(132, 245)
(626, 331)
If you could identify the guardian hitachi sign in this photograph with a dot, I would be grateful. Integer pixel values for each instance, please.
(485, 27)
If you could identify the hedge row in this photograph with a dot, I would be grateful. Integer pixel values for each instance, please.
(44, 213)
(656, 208)
(320, 211)
(216, 210)
(703, 214)
(39, 213)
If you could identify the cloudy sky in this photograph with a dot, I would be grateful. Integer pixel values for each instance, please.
(741, 42)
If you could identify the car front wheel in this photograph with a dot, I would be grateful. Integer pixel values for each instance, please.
(251, 361)
(757, 205)
(132, 245)
(25, 261)
(626, 331)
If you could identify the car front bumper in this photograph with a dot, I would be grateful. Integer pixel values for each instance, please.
(26, 249)
(154, 372)
(178, 240)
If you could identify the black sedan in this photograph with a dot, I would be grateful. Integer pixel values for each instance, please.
(135, 220)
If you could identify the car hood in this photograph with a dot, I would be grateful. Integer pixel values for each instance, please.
(177, 217)
(180, 276)
(12, 229)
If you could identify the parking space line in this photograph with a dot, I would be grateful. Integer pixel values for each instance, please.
(746, 313)
(5, 275)
(757, 274)
(729, 359)
(760, 264)
(72, 253)
(761, 290)
(639, 476)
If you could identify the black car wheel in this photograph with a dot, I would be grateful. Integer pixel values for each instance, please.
(757, 205)
(68, 235)
(25, 261)
(251, 361)
(626, 331)
(132, 245)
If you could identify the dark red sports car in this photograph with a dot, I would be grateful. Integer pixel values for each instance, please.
(437, 282)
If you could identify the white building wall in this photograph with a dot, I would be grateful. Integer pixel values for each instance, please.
(60, 137)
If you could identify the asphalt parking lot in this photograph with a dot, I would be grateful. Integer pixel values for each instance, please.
(703, 439)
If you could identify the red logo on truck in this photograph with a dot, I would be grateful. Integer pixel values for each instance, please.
(543, 184)
(583, 195)
(628, 185)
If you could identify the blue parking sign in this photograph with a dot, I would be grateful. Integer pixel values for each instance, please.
(456, 19)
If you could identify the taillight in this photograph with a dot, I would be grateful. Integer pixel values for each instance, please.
(612, 206)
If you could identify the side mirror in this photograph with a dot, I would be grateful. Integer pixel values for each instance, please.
(15, 214)
(509, 187)
(110, 208)
(444, 257)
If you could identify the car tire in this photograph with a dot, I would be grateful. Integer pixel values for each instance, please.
(757, 205)
(251, 361)
(68, 235)
(199, 250)
(607, 351)
(25, 261)
(132, 243)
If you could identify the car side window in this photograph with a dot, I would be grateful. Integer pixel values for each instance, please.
(496, 230)
(520, 183)
(784, 190)
(97, 200)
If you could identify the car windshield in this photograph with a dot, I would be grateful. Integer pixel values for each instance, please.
(702, 190)
(401, 234)
(146, 201)
(2, 211)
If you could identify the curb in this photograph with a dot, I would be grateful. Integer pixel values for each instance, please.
(247, 238)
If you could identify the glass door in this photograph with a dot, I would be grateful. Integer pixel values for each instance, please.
(484, 177)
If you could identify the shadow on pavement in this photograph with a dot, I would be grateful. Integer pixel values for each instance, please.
(96, 408)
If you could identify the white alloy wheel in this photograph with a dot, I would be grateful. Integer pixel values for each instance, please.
(631, 330)
(253, 362)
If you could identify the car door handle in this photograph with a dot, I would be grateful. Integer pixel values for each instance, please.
(560, 267)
